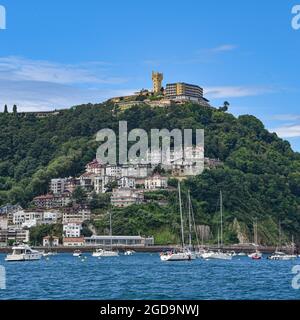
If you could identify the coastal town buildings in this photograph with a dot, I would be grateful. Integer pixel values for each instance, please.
(126, 197)
(74, 242)
(49, 201)
(50, 241)
(119, 241)
(76, 213)
(14, 235)
(72, 229)
(156, 182)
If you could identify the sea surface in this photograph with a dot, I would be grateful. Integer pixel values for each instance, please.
(144, 276)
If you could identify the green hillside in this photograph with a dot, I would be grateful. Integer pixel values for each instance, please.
(260, 177)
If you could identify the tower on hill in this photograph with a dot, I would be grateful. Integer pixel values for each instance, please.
(157, 79)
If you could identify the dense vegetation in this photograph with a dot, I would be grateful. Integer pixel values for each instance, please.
(260, 177)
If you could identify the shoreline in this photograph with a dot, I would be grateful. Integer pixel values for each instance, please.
(152, 249)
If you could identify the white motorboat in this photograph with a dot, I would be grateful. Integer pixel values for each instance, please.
(177, 256)
(217, 255)
(282, 256)
(105, 253)
(23, 252)
(77, 253)
(241, 254)
(129, 253)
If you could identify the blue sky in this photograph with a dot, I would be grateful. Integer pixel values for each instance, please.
(56, 54)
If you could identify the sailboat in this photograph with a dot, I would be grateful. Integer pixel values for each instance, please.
(219, 254)
(106, 253)
(184, 253)
(257, 255)
(278, 255)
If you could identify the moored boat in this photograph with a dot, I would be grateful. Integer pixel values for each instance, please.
(23, 252)
(105, 253)
(77, 253)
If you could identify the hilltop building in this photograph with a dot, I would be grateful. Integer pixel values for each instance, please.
(173, 93)
(157, 79)
(184, 92)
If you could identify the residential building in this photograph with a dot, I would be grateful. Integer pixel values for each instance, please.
(184, 91)
(51, 216)
(137, 241)
(77, 213)
(28, 218)
(113, 171)
(9, 209)
(156, 182)
(95, 167)
(100, 183)
(136, 170)
(127, 182)
(58, 186)
(50, 241)
(71, 184)
(17, 235)
(126, 197)
(87, 181)
(50, 201)
(3, 221)
(74, 242)
(72, 229)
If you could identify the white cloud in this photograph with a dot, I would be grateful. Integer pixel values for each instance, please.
(223, 48)
(285, 117)
(290, 131)
(43, 85)
(21, 69)
(35, 95)
(235, 91)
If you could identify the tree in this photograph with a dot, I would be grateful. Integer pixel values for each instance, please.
(15, 109)
(79, 195)
(5, 109)
(225, 107)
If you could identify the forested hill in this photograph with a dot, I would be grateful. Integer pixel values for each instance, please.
(260, 177)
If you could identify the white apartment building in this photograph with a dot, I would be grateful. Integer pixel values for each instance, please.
(51, 216)
(57, 186)
(156, 182)
(127, 182)
(24, 218)
(100, 183)
(50, 241)
(113, 171)
(136, 171)
(72, 230)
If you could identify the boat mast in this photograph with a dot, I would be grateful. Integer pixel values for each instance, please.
(181, 216)
(190, 221)
(221, 212)
(110, 230)
(279, 235)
